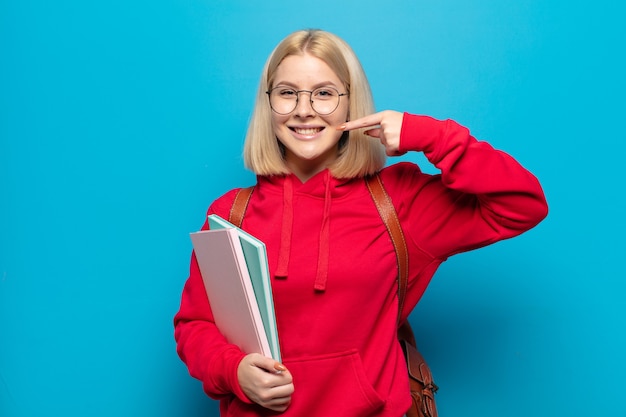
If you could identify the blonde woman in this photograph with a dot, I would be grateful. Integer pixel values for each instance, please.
(312, 139)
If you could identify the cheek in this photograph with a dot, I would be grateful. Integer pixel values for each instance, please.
(344, 114)
(341, 118)
(278, 124)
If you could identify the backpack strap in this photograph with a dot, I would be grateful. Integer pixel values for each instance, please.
(390, 218)
(238, 209)
(423, 387)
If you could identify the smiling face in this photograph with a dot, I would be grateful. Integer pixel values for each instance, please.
(310, 139)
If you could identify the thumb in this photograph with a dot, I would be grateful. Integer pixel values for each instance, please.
(374, 133)
(269, 364)
(279, 367)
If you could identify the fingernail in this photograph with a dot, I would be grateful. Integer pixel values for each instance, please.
(342, 127)
(279, 367)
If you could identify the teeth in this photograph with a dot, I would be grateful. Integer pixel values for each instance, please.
(307, 131)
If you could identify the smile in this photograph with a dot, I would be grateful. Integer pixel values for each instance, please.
(307, 131)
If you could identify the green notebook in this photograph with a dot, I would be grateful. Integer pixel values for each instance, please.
(256, 259)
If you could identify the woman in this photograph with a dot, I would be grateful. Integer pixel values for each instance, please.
(312, 139)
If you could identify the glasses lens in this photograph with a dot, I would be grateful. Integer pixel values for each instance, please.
(325, 100)
(284, 100)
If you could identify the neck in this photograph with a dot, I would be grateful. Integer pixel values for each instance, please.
(305, 174)
(305, 169)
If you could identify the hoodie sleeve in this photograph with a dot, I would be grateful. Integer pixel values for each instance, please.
(481, 196)
(199, 343)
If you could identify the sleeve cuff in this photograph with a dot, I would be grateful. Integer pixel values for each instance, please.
(418, 133)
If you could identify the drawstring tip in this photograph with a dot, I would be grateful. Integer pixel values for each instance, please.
(320, 285)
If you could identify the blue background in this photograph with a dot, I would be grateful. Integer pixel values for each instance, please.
(121, 121)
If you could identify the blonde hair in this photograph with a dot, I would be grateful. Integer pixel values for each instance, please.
(359, 154)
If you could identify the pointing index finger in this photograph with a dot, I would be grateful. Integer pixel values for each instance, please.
(367, 121)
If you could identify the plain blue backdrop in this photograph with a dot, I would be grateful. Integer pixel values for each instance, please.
(121, 121)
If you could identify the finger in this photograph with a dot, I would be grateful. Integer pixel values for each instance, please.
(280, 398)
(279, 402)
(279, 408)
(375, 133)
(395, 153)
(367, 121)
(272, 398)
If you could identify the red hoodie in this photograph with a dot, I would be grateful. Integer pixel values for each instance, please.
(334, 269)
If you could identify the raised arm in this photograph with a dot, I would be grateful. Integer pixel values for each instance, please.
(481, 196)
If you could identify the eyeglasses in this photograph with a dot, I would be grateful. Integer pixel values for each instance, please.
(324, 100)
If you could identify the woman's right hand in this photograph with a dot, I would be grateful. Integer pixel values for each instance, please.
(385, 126)
(265, 382)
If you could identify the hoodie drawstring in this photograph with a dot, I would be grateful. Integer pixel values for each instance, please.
(285, 236)
(324, 248)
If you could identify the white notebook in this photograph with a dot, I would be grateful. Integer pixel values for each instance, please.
(229, 289)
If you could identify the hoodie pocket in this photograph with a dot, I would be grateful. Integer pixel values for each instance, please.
(328, 385)
(333, 384)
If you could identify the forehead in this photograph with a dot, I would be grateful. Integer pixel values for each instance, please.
(305, 71)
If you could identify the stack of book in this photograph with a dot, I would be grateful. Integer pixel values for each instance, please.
(235, 272)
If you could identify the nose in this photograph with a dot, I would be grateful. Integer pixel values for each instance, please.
(304, 105)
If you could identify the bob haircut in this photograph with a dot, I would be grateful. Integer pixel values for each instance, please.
(359, 154)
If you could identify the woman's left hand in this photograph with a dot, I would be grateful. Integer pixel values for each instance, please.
(385, 126)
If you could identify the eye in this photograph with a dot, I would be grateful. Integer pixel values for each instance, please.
(325, 93)
(286, 92)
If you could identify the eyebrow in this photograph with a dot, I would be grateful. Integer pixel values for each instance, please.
(315, 86)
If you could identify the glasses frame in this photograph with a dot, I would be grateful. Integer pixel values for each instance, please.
(311, 101)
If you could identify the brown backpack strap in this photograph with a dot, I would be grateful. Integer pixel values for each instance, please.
(390, 218)
(421, 381)
(240, 205)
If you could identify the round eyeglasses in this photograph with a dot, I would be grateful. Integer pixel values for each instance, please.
(324, 100)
